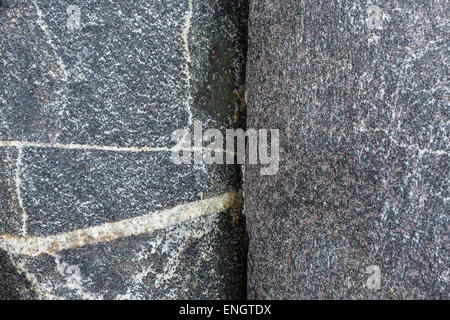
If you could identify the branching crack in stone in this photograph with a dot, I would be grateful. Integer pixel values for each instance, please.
(35, 246)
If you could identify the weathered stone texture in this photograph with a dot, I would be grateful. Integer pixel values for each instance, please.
(82, 106)
(359, 91)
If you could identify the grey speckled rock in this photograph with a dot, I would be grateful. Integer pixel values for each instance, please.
(359, 91)
(88, 93)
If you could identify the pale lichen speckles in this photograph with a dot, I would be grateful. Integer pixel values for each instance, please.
(41, 22)
(375, 17)
(74, 280)
(41, 290)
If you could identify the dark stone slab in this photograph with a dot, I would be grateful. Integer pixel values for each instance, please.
(359, 91)
(181, 262)
(114, 185)
(13, 284)
(87, 109)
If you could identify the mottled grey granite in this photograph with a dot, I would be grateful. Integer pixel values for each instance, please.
(128, 75)
(359, 91)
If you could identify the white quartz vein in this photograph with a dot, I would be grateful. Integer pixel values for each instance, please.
(187, 57)
(35, 246)
(88, 147)
(18, 182)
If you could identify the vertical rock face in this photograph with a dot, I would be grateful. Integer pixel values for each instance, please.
(359, 207)
(91, 205)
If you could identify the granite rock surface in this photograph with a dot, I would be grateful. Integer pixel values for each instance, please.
(90, 92)
(359, 208)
